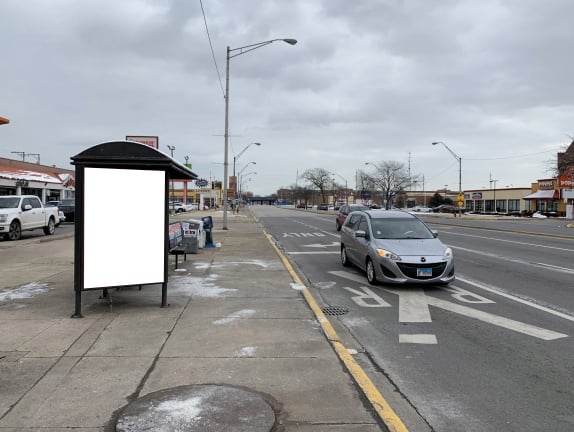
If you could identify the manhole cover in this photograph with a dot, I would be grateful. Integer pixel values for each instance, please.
(335, 310)
(194, 408)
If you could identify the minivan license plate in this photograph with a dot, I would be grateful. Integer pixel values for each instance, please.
(424, 272)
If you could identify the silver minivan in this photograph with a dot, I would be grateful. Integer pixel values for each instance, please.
(395, 247)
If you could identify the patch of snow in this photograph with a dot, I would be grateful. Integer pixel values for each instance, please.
(297, 287)
(247, 351)
(186, 410)
(197, 286)
(180, 270)
(539, 216)
(245, 313)
(29, 290)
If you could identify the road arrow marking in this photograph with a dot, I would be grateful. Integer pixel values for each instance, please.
(414, 307)
(361, 297)
(496, 320)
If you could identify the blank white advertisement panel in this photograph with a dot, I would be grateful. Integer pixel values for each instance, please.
(124, 227)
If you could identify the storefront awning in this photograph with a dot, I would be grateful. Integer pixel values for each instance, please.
(543, 195)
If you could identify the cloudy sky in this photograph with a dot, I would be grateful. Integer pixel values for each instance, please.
(368, 81)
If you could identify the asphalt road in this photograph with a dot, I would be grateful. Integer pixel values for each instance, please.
(493, 351)
(64, 229)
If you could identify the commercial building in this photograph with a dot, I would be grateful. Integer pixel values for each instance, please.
(25, 178)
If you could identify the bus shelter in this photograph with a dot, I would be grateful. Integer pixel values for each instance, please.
(122, 217)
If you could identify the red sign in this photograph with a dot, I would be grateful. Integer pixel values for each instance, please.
(152, 141)
(566, 182)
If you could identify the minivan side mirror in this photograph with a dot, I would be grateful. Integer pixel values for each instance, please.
(360, 233)
(27, 207)
(434, 233)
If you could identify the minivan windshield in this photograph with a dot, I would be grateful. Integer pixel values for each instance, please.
(388, 228)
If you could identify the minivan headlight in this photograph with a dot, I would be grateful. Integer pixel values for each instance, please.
(388, 254)
(448, 254)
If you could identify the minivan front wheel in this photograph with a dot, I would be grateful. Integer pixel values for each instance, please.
(371, 275)
(344, 257)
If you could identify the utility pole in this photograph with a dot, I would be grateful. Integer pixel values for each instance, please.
(171, 149)
(492, 181)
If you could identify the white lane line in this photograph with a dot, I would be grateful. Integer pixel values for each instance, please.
(496, 320)
(315, 253)
(498, 240)
(515, 298)
(516, 260)
(424, 339)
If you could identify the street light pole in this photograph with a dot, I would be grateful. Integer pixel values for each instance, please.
(171, 149)
(242, 50)
(346, 187)
(459, 160)
(235, 160)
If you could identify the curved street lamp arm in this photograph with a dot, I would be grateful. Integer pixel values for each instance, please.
(457, 157)
(254, 46)
(243, 151)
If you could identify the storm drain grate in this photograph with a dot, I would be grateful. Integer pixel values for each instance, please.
(335, 310)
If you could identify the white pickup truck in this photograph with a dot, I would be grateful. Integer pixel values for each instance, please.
(23, 213)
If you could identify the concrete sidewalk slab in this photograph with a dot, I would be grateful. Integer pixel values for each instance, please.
(234, 319)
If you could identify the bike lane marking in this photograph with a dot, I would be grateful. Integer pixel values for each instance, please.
(515, 298)
(414, 307)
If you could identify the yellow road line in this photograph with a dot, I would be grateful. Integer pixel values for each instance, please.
(381, 406)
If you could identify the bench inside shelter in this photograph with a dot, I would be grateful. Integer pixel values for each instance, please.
(176, 246)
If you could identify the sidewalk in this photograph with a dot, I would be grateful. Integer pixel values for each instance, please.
(236, 321)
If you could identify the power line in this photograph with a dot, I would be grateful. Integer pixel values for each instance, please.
(212, 52)
(509, 157)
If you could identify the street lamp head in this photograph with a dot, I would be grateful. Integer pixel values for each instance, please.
(257, 144)
(290, 41)
(435, 143)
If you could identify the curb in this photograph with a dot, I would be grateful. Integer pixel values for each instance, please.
(379, 403)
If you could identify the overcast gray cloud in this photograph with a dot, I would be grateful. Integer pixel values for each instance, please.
(369, 80)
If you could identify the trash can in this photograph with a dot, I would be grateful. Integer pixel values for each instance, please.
(198, 224)
(189, 240)
(208, 226)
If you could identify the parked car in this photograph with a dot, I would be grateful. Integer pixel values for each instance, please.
(323, 206)
(344, 210)
(445, 208)
(61, 215)
(395, 247)
(421, 209)
(25, 213)
(68, 207)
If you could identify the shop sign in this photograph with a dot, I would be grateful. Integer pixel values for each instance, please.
(201, 183)
(546, 185)
(152, 141)
(566, 181)
(477, 195)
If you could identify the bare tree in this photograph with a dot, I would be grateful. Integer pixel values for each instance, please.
(320, 178)
(390, 177)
